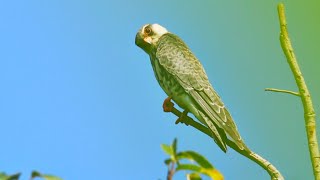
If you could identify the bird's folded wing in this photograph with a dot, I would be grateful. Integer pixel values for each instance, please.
(176, 58)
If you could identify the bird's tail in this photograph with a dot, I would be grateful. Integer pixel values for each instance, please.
(234, 134)
(218, 134)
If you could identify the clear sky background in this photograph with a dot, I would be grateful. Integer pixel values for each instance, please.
(79, 100)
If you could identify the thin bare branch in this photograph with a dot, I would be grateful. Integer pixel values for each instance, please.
(282, 91)
(171, 171)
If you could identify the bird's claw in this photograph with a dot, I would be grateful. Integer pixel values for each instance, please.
(183, 118)
(167, 105)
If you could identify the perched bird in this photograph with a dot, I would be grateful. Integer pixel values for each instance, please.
(182, 77)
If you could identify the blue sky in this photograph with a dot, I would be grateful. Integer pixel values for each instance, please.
(79, 100)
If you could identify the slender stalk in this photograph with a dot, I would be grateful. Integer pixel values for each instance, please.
(282, 91)
(309, 114)
(272, 170)
(171, 171)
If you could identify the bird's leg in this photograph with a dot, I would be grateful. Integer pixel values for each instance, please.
(183, 118)
(167, 105)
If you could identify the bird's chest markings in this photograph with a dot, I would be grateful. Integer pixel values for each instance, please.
(166, 80)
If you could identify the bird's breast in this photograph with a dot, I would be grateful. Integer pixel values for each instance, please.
(169, 84)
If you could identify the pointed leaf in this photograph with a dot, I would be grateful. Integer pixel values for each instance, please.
(36, 174)
(14, 176)
(50, 177)
(194, 156)
(190, 167)
(214, 174)
(174, 146)
(167, 149)
(167, 161)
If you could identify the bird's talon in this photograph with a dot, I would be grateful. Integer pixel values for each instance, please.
(178, 121)
(167, 105)
(182, 118)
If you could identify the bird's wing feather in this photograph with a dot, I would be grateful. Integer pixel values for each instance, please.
(175, 57)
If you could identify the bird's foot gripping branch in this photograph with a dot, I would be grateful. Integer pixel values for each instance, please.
(168, 106)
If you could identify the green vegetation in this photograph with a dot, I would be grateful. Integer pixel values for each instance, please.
(196, 166)
(34, 175)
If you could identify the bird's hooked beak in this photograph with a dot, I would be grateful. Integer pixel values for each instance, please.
(142, 43)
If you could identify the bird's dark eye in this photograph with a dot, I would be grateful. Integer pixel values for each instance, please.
(147, 30)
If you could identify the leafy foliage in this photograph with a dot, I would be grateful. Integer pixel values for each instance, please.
(4, 176)
(198, 164)
(34, 175)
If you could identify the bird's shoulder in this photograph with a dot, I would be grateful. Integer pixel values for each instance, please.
(176, 57)
(172, 48)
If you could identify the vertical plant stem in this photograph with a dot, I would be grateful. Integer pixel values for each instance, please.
(309, 114)
(171, 171)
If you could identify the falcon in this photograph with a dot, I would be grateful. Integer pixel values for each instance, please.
(182, 77)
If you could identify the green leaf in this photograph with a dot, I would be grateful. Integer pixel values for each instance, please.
(167, 161)
(36, 174)
(167, 149)
(4, 176)
(174, 146)
(190, 167)
(194, 176)
(50, 177)
(194, 156)
(212, 173)
(14, 177)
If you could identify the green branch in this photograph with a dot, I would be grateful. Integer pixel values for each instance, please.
(309, 114)
(272, 170)
(282, 91)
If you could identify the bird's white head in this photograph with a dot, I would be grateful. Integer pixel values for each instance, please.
(149, 34)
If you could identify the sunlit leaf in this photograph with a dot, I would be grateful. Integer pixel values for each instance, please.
(50, 177)
(190, 167)
(194, 176)
(214, 174)
(167, 149)
(194, 156)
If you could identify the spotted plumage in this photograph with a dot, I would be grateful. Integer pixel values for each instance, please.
(183, 78)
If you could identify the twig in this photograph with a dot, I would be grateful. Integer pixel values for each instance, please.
(282, 91)
(309, 114)
(273, 172)
(171, 171)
